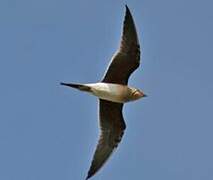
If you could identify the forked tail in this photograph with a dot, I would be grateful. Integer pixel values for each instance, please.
(81, 87)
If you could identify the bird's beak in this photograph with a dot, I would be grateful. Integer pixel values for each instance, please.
(145, 95)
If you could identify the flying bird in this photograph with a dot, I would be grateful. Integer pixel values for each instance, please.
(113, 92)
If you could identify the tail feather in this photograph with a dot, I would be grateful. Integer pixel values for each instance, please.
(81, 87)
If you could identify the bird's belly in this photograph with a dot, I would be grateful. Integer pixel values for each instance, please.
(111, 92)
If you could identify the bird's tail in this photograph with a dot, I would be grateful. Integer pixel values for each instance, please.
(81, 87)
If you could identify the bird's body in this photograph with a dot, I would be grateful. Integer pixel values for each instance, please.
(113, 92)
(109, 91)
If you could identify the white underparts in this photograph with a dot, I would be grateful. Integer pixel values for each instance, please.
(112, 92)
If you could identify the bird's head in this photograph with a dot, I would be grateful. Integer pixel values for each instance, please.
(137, 94)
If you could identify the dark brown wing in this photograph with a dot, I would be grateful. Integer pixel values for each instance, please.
(112, 127)
(127, 59)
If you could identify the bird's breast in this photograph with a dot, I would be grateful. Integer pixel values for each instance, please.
(111, 92)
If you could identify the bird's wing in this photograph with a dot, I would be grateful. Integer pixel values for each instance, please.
(127, 58)
(112, 127)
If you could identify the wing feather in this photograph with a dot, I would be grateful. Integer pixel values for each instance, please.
(112, 127)
(127, 58)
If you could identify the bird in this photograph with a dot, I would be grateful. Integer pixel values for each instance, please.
(113, 91)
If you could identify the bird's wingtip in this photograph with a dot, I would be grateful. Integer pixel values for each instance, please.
(127, 8)
(87, 177)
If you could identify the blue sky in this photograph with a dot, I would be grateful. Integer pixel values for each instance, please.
(50, 132)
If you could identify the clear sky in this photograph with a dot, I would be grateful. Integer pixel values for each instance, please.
(49, 132)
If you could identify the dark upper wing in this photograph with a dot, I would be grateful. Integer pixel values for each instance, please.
(112, 128)
(127, 59)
